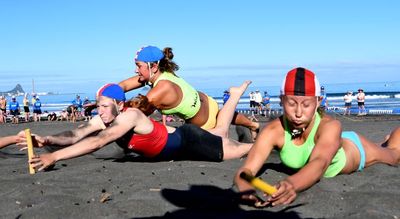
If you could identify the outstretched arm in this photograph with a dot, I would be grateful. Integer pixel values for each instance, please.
(131, 83)
(256, 158)
(120, 126)
(8, 140)
(71, 136)
(12, 139)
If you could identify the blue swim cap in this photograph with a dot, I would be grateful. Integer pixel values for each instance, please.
(149, 54)
(111, 90)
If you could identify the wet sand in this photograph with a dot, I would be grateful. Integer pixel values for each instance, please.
(78, 188)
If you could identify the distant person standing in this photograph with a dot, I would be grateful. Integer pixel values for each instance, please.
(3, 112)
(258, 99)
(71, 109)
(87, 108)
(324, 101)
(37, 110)
(3, 105)
(267, 102)
(78, 103)
(14, 110)
(361, 102)
(348, 98)
(25, 102)
(33, 100)
(225, 97)
(252, 101)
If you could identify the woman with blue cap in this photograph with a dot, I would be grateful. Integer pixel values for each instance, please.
(310, 143)
(123, 122)
(173, 95)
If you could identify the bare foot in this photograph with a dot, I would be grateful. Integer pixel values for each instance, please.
(241, 89)
(255, 130)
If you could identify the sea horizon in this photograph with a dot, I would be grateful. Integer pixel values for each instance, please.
(89, 88)
(379, 95)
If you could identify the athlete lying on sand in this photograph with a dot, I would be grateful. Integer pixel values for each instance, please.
(311, 143)
(131, 128)
(172, 95)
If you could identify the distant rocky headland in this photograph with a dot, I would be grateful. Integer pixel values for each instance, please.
(17, 91)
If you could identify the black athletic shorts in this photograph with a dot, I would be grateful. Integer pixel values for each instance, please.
(14, 112)
(37, 111)
(199, 144)
(190, 142)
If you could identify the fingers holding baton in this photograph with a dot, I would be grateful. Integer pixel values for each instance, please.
(258, 183)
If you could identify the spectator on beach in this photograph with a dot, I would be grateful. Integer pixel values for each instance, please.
(348, 98)
(87, 108)
(258, 100)
(130, 128)
(3, 109)
(2, 117)
(71, 109)
(64, 116)
(25, 102)
(174, 96)
(52, 116)
(37, 110)
(252, 97)
(13, 106)
(361, 102)
(311, 143)
(34, 97)
(267, 102)
(78, 103)
(225, 97)
(324, 101)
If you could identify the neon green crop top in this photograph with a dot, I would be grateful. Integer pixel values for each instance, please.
(296, 156)
(190, 103)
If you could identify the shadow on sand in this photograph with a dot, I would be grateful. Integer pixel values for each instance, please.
(204, 201)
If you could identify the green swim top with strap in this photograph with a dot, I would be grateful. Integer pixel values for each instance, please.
(190, 103)
(297, 156)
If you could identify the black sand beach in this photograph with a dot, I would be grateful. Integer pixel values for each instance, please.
(78, 188)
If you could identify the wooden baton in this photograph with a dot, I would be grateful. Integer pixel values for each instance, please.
(30, 149)
(258, 183)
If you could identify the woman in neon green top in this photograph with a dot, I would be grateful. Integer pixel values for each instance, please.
(311, 143)
(173, 95)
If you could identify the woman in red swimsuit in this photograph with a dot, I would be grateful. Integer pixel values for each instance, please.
(132, 129)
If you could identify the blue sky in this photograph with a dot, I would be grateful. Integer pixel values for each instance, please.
(71, 45)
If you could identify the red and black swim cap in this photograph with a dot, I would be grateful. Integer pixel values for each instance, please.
(301, 82)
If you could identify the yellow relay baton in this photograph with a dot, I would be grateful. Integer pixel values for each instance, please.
(258, 183)
(30, 149)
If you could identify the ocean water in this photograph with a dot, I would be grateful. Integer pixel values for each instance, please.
(384, 96)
